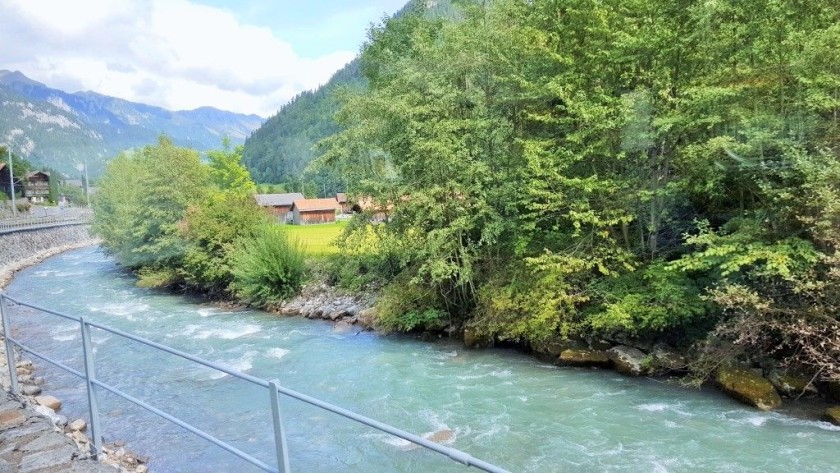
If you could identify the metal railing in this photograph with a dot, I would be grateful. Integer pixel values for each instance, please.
(274, 390)
(68, 217)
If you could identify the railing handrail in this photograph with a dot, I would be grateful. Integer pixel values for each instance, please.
(273, 387)
(81, 216)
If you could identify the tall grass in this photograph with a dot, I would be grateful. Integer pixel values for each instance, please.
(269, 268)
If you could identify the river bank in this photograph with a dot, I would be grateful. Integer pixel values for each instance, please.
(762, 387)
(31, 420)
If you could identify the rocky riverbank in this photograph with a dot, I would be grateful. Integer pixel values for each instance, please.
(31, 427)
(757, 387)
(320, 301)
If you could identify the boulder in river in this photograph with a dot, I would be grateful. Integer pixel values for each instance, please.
(628, 360)
(474, 339)
(748, 387)
(665, 359)
(583, 357)
(791, 385)
(832, 414)
(549, 349)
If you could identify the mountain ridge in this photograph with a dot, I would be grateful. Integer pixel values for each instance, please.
(59, 129)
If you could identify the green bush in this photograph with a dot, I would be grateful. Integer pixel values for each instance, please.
(407, 306)
(269, 268)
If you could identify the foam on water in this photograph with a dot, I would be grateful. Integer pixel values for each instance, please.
(653, 407)
(277, 353)
(64, 338)
(241, 364)
(121, 309)
(206, 312)
(230, 333)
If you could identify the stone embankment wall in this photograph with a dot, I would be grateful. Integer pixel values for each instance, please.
(25, 248)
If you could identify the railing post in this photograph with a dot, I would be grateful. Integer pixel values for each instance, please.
(10, 347)
(93, 406)
(279, 435)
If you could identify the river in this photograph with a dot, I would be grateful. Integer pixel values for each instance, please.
(502, 406)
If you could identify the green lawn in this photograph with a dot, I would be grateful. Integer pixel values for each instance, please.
(319, 239)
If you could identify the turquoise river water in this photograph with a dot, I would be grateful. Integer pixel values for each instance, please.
(502, 406)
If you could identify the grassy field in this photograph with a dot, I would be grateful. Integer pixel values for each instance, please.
(319, 240)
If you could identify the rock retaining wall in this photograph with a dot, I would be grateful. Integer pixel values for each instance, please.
(25, 248)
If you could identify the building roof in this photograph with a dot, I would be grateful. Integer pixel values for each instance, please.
(35, 173)
(308, 205)
(341, 197)
(277, 200)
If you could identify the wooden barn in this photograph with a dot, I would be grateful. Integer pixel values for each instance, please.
(308, 211)
(278, 205)
(37, 186)
(341, 198)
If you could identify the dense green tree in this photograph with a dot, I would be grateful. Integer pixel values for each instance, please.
(594, 167)
(142, 199)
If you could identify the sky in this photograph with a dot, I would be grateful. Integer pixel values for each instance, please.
(248, 56)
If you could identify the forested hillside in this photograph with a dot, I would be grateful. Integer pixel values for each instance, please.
(647, 170)
(280, 151)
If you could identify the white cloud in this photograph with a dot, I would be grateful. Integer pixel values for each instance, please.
(170, 53)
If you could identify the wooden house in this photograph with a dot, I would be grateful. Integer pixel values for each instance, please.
(308, 211)
(278, 205)
(341, 198)
(36, 187)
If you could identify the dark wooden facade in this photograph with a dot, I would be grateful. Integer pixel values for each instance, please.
(37, 186)
(5, 180)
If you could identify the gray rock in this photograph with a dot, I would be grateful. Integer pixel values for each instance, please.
(5, 467)
(44, 442)
(665, 359)
(31, 390)
(791, 385)
(31, 426)
(48, 459)
(628, 360)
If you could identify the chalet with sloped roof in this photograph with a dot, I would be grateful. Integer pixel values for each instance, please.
(36, 187)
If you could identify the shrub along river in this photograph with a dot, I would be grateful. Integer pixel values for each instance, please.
(500, 406)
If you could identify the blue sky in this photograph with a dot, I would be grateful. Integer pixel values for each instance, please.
(316, 27)
(245, 56)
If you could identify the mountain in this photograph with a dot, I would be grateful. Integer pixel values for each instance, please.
(280, 150)
(54, 128)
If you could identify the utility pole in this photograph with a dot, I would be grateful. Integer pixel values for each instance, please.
(87, 186)
(12, 181)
